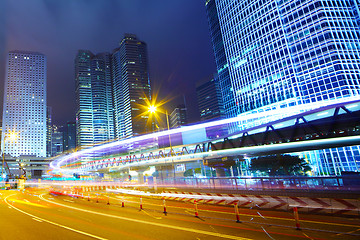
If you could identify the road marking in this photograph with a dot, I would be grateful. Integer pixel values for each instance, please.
(68, 200)
(267, 233)
(36, 219)
(307, 236)
(53, 223)
(348, 232)
(150, 214)
(151, 223)
(28, 203)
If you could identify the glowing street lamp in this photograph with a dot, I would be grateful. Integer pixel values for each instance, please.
(12, 135)
(153, 109)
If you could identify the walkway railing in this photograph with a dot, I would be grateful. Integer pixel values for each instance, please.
(265, 183)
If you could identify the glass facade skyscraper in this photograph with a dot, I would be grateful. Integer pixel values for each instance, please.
(131, 86)
(84, 111)
(283, 53)
(101, 86)
(94, 113)
(24, 110)
(209, 99)
(226, 90)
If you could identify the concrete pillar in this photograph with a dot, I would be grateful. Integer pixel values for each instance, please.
(140, 177)
(220, 172)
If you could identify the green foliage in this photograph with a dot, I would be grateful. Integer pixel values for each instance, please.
(189, 173)
(156, 174)
(279, 165)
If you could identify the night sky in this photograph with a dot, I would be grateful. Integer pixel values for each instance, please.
(176, 32)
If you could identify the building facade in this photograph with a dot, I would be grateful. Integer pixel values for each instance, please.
(57, 142)
(283, 54)
(94, 113)
(83, 94)
(178, 117)
(131, 87)
(24, 110)
(69, 136)
(222, 65)
(209, 99)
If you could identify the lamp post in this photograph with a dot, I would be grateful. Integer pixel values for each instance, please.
(12, 136)
(153, 109)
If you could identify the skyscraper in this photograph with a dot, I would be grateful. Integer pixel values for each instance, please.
(131, 86)
(24, 110)
(178, 117)
(285, 53)
(209, 99)
(57, 141)
(282, 54)
(101, 86)
(226, 89)
(83, 94)
(69, 136)
(94, 113)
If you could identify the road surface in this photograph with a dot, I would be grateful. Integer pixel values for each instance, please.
(36, 214)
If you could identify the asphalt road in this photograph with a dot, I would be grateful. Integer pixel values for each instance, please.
(35, 214)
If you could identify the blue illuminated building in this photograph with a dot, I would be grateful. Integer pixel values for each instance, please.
(24, 107)
(223, 78)
(94, 107)
(131, 86)
(296, 55)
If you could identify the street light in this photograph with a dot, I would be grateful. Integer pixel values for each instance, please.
(12, 136)
(153, 110)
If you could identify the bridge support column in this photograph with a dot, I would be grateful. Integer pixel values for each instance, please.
(140, 171)
(140, 177)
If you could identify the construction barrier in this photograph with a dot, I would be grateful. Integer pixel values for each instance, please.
(304, 204)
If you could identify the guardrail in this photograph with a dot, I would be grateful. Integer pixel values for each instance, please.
(264, 183)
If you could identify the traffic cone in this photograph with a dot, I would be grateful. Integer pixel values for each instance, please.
(237, 212)
(165, 212)
(196, 209)
(296, 216)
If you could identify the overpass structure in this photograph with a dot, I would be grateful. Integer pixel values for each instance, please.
(334, 125)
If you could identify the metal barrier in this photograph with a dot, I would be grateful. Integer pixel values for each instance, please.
(268, 183)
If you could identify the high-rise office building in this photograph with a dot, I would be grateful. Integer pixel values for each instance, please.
(48, 130)
(131, 86)
(24, 110)
(57, 143)
(226, 89)
(209, 99)
(282, 54)
(83, 94)
(69, 136)
(178, 117)
(94, 113)
(101, 86)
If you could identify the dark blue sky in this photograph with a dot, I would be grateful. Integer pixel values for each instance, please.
(175, 31)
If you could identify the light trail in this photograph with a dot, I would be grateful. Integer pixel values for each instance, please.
(305, 109)
(150, 223)
(50, 222)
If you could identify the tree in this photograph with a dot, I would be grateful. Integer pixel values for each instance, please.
(277, 165)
